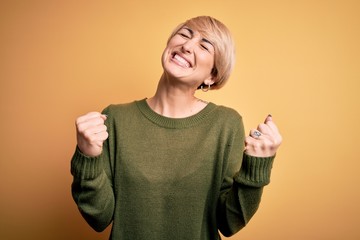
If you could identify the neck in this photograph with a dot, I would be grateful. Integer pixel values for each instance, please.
(172, 100)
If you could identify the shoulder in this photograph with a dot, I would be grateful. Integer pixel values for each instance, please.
(227, 119)
(228, 113)
(121, 112)
(228, 122)
(114, 109)
(119, 107)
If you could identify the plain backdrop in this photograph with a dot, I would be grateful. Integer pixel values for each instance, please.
(298, 60)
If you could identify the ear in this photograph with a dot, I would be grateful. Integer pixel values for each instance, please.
(212, 78)
(209, 81)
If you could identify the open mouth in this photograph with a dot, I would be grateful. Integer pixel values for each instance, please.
(180, 60)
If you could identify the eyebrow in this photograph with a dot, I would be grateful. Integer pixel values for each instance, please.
(203, 39)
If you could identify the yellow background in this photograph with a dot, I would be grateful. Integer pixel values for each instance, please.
(298, 60)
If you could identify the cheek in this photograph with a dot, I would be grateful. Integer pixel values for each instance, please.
(165, 55)
(207, 61)
(175, 40)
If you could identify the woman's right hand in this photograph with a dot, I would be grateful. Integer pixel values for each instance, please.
(91, 133)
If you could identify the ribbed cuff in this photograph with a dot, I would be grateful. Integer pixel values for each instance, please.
(255, 171)
(85, 167)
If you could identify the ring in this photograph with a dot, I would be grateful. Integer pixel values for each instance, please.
(256, 134)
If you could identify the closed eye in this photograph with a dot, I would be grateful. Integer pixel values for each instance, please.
(207, 45)
(204, 47)
(184, 35)
(186, 32)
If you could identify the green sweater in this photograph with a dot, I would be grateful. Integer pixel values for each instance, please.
(165, 178)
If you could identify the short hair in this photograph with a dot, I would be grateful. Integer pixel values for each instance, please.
(218, 34)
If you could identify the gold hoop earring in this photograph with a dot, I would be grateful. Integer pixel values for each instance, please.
(205, 90)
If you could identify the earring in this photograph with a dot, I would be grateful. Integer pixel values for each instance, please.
(205, 90)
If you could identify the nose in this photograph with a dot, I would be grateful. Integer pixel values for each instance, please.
(188, 46)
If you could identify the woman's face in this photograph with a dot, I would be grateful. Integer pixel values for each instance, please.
(189, 57)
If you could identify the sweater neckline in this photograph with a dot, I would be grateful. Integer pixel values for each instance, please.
(169, 122)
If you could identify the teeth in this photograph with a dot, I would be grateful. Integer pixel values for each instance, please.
(182, 61)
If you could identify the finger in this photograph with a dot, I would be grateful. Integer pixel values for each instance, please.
(96, 129)
(94, 136)
(99, 139)
(102, 136)
(87, 117)
(270, 132)
(255, 134)
(259, 147)
(264, 129)
(269, 122)
(93, 122)
(252, 145)
(103, 116)
(268, 118)
(249, 140)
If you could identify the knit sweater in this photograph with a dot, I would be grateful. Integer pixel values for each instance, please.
(170, 178)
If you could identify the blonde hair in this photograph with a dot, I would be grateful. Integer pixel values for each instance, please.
(219, 35)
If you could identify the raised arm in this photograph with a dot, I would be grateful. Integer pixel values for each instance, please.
(241, 194)
(92, 187)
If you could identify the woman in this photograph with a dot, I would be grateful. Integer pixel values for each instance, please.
(173, 166)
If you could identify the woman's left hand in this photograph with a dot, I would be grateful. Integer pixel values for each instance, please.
(263, 141)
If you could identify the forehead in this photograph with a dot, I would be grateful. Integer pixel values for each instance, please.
(200, 27)
(204, 31)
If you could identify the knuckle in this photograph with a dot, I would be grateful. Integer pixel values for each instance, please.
(267, 145)
(80, 129)
(277, 141)
(257, 145)
(263, 145)
(78, 122)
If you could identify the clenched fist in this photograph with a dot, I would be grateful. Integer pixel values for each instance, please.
(263, 141)
(91, 133)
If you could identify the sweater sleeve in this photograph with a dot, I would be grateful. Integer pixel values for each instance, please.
(241, 193)
(92, 188)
